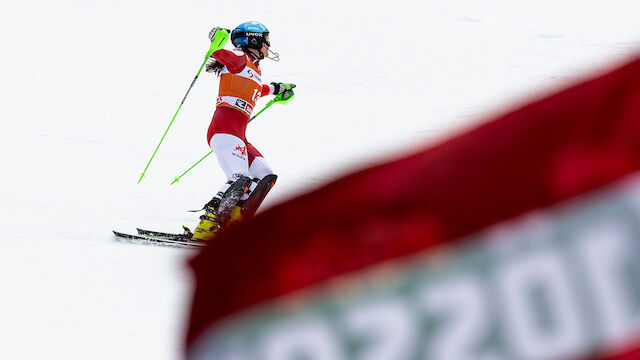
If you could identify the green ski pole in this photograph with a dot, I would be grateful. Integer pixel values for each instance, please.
(194, 165)
(273, 101)
(215, 46)
(277, 99)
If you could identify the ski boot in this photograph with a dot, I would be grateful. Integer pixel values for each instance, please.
(235, 216)
(208, 226)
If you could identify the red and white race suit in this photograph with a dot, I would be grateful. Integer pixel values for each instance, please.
(240, 87)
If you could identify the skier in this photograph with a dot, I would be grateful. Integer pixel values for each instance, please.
(249, 176)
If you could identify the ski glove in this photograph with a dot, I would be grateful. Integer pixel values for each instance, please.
(212, 33)
(218, 37)
(281, 88)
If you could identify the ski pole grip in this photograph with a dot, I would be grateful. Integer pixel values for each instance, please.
(279, 98)
(219, 40)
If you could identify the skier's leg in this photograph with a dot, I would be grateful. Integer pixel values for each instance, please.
(263, 181)
(253, 202)
(258, 166)
(232, 156)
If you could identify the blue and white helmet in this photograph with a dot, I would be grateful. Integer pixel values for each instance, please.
(252, 35)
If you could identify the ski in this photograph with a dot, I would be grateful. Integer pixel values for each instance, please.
(186, 235)
(150, 240)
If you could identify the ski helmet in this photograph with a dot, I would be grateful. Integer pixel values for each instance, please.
(250, 34)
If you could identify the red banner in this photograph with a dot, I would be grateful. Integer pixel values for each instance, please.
(573, 147)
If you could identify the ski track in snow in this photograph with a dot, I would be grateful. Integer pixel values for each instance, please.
(90, 86)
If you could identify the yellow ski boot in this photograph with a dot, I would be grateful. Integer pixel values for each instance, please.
(208, 226)
(235, 216)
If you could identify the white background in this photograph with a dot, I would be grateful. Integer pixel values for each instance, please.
(88, 88)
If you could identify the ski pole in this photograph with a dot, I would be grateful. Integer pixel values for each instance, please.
(215, 46)
(278, 98)
(273, 101)
(194, 165)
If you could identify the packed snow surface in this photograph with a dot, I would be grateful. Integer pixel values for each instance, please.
(89, 87)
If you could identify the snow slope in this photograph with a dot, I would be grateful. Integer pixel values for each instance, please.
(88, 88)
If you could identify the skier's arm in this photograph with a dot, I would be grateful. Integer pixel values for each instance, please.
(267, 90)
(234, 62)
(277, 89)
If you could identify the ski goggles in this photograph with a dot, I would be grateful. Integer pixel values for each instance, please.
(263, 36)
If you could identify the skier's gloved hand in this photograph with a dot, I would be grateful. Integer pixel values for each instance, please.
(212, 33)
(281, 88)
(218, 37)
(211, 65)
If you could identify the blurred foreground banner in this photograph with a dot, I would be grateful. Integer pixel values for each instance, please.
(517, 240)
